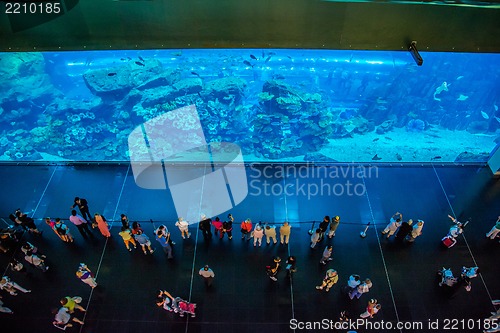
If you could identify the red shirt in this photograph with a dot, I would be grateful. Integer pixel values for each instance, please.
(246, 226)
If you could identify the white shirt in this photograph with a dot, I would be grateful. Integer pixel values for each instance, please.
(207, 273)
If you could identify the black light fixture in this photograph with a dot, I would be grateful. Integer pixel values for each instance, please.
(414, 52)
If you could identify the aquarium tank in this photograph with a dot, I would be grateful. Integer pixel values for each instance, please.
(277, 105)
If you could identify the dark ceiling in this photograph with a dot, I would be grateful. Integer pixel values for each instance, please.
(142, 24)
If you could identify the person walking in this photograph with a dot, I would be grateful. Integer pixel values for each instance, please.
(36, 261)
(404, 230)
(217, 223)
(81, 224)
(85, 275)
(124, 220)
(334, 224)
(270, 231)
(62, 318)
(494, 230)
(207, 274)
(72, 303)
(330, 279)
(327, 253)
(10, 286)
(205, 226)
(83, 206)
(102, 224)
(285, 231)
(291, 266)
(183, 227)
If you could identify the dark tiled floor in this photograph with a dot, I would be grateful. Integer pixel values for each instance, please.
(243, 299)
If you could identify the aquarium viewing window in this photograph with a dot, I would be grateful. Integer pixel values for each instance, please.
(275, 105)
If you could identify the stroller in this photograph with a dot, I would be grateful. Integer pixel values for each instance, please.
(183, 306)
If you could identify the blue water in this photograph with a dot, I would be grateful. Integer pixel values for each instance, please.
(277, 105)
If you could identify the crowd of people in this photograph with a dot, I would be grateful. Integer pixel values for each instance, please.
(133, 235)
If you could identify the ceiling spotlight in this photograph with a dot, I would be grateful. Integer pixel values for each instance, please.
(414, 52)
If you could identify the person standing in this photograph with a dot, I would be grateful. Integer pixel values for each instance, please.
(273, 269)
(63, 231)
(372, 309)
(163, 238)
(258, 233)
(327, 253)
(183, 227)
(361, 289)
(393, 225)
(334, 224)
(246, 229)
(494, 230)
(291, 266)
(124, 220)
(330, 279)
(227, 227)
(102, 224)
(270, 232)
(217, 223)
(5, 309)
(126, 235)
(285, 230)
(404, 230)
(83, 206)
(85, 275)
(315, 238)
(208, 275)
(206, 227)
(144, 241)
(323, 226)
(416, 231)
(52, 225)
(81, 224)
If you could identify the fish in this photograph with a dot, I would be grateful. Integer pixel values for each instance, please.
(198, 75)
(443, 87)
(436, 158)
(139, 63)
(496, 107)
(267, 59)
(376, 158)
(376, 139)
(398, 157)
(123, 59)
(485, 115)
(140, 58)
(388, 138)
(462, 97)
(129, 58)
(253, 57)
(111, 74)
(275, 123)
(289, 57)
(246, 62)
(460, 77)
(497, 119)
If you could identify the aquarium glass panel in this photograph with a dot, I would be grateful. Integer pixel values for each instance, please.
(273, 105)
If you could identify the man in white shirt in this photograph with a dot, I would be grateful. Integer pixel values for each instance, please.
(208, 275)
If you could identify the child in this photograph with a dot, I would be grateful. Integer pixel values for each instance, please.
(258, 233)
(63, 231)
